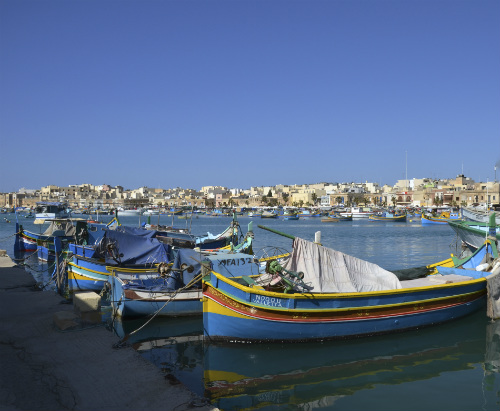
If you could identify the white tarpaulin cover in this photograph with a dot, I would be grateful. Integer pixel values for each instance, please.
(330, 271)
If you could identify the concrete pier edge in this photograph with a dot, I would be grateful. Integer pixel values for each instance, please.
(45, 368)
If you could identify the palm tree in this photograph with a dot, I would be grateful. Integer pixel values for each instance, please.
(314, 198)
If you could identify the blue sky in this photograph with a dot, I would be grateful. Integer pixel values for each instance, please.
(244, 93)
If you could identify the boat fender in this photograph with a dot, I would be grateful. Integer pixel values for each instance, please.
(482, 267)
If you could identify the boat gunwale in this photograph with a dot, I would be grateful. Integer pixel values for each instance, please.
(322, 296)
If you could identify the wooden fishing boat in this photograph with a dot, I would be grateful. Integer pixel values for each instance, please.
(133, 253)
(177, 292)
(480, 215)
(342, 217)
(473, 233)
(330, 220)
(268, 214)
(66, 229)
(443, 218)
(388, 217)
(330, 295)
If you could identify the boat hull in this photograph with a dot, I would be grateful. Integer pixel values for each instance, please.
(234, 312)
(473, 234)
(131, 303)
(401, 219)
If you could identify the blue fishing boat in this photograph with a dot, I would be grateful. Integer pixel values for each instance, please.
(473, 233)
(176, 291)
(443, 218)
(136, 253)
(66, 229)
(331, 295)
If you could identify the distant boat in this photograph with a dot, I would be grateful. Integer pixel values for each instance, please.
(440, 219)
(342, 217)
(480, 216)
(268, 214)
(358, 212)
(473, 233)
(50, 210)
(330, 220)
(129, 212)
(388, 217)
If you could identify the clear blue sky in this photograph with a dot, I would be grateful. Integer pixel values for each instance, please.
(244, 93)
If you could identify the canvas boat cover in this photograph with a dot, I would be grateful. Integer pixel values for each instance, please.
(60, 228)
(330, 271)
(134, 248)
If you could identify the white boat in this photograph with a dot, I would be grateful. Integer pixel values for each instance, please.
(49, 209)
(358, 212)
(151, 211)
(129, 212)
(479, 215)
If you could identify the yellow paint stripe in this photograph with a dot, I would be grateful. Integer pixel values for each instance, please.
(353, 309)
(320, 296)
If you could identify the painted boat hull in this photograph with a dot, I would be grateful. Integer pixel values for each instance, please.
(234, 312)
(472, 233)
(479, 215)
(400, 219)
(136, 303)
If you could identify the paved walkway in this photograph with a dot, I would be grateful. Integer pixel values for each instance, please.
(44, 368)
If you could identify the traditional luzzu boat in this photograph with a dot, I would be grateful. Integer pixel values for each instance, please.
(341, 217)
(321, 294)
(473, 233)
(389, 217)
(268, 214)
(480, 215)
(443, 218)
(330, 219)
(66, 229)
(175, 290)
(136, 253)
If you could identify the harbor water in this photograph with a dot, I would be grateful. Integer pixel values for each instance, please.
(454, 366)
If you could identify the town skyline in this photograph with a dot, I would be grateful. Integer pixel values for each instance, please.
(460, 191)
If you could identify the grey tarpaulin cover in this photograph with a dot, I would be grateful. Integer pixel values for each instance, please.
(330, 271)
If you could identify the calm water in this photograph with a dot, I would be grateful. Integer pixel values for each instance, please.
(455, 366)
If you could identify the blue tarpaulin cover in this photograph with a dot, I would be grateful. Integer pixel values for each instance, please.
(135, 248)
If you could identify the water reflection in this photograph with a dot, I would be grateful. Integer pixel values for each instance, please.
(323, 375)
(454, 366)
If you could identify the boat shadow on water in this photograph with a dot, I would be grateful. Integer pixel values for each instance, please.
(326, 375)
(318, 375)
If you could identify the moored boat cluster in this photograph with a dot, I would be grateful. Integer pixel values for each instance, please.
(313, 293)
